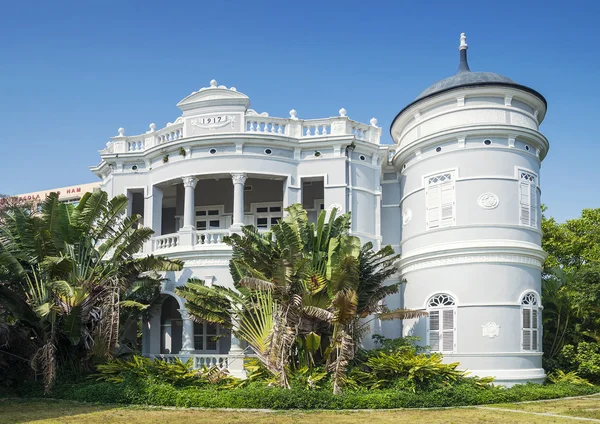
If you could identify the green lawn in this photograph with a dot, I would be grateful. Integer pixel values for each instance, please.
(48, 411)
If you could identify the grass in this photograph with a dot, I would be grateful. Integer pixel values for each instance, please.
(52, 411)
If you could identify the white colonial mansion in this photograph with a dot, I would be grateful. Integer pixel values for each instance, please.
(457, 195)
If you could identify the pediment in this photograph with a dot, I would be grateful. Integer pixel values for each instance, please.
(215, 95)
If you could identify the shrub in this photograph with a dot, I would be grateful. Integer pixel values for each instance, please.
(257, 395)
(176, 372)
(399, 363)
(583, 359)
(571, 377)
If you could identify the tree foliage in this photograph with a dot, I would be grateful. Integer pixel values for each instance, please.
(302, 289)
(70, 277)
(571, 292)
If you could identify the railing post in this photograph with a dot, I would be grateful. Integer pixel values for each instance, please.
(340, 125)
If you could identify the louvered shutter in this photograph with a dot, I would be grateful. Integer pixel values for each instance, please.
(534, 329)
(433, 206)
(448, 330)
(533, 202)
(525, 203)
(526, 329)
(447, 203)
(434, 331)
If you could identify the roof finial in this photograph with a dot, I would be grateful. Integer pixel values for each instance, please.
(463, 42)
(463, 66)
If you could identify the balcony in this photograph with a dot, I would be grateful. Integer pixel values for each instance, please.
(201, 240)
(304, 130)
(191, 216)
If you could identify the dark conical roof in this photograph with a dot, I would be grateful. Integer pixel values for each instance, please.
(464, 76)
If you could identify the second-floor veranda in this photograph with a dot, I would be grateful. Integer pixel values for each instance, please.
(195, 213)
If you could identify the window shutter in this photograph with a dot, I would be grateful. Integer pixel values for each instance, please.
(526, 339)
(434, 320)
(534, 331)
(434, 328)
(434, 341)
(433, 206)
(525, 203)
(526, 318)
(447, 203)
(533, 201)
(448, 330)
(527, 329)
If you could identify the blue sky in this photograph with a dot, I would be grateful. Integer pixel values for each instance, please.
(71, 73)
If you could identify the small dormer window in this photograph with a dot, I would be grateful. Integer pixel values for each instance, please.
(362, 157)
(438, 149)
(268, 151)
(487, 142)
(212, 151)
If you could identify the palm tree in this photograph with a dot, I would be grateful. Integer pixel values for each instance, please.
(63, 272)
(301, 286)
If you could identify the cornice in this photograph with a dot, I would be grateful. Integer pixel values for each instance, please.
(473, 251)
(532, 136)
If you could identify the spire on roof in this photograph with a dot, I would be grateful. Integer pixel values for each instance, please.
(463, 66)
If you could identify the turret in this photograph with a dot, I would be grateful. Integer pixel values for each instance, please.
(469, 153)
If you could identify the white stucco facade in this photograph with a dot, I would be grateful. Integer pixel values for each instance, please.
(457, 195)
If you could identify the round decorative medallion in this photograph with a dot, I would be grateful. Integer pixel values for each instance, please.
(406, 216)
(335, 206)
(488, 201)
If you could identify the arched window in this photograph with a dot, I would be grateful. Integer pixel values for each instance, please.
(530, 308)
(441, 328)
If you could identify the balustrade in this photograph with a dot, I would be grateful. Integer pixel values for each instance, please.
(170, 133)
(265, 125)
(211, 237)
(135, 145)
(313, 128)
(199, 360)
(168, 241)
(207, 360)
(293, 127)
(360, 131)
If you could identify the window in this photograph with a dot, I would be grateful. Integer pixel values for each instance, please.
(441, 328)
(530, 313)
(487, 142)
(440, 202)
(205, 336)
(209, 218)
(268, 151)
(267, 214)
(528, 198)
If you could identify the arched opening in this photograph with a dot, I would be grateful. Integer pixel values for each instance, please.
(530, 319)
(171, 326)
(441, 323)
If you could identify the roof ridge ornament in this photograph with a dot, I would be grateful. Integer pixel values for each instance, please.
(463, 65)
(463, 42)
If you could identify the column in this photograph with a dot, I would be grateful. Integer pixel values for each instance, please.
(238, 201)
(189, 211)
(187, 336)
(236, 354)
(153, 213)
